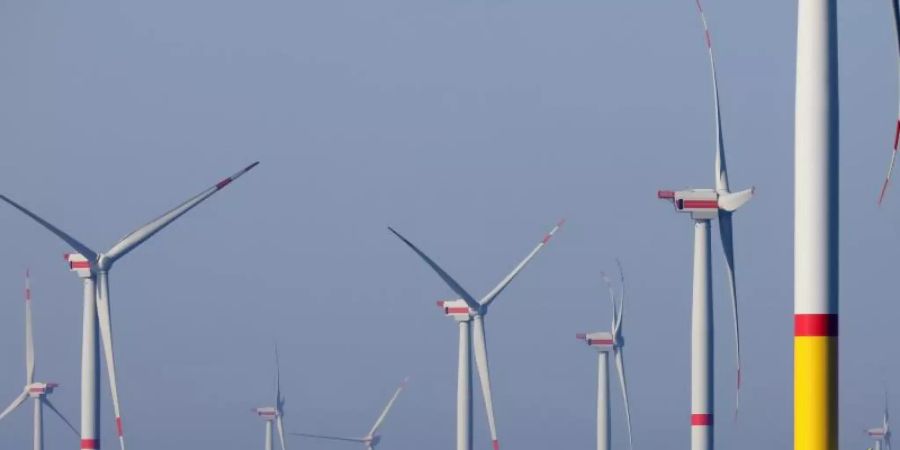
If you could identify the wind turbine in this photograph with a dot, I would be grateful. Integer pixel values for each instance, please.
(882, 435)
(274, 413)
(373, 437)
(93, 268)
(469, 315)
(605, 342)
(705, 205)
(34, 389)
(896, 6)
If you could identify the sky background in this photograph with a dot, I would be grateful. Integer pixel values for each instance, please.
(471, 126)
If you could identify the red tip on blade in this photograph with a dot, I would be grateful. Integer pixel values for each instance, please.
(699, 6)
(665, 194)
(897, 135)
(223, 183)
(496, 444)
(119, 426)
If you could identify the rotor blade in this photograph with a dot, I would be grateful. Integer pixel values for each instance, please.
(484, 376)
(444, 275)
(103, 316)
(887, 179)
(278, 399)
(727, 234)
(505, 282)
(620, 367)
(74, 243)
(621, 297)
(15, 404)
(721, 169)
(280, 424)
(333, 438)
(387, 408)
(61, 416)
(136, 237)
(29, 336)
(612, 299)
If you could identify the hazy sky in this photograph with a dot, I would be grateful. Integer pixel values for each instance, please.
(470, 125)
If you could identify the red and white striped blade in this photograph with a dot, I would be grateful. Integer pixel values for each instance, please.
(103, 316)
(456, 287)
(887, 180)
(136, 237)
(76, 244)
(29, 333)
(387, 408)
(721, 167)
(727, 233)
(479, 344)
(505, 282)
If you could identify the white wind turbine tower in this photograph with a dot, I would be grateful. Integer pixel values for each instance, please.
(605, 342)
(469, 315)
(704, 205)
(882, 435)
(896, 7)
(274, 414)
(36, 390)
(373, 437)
(93, 268)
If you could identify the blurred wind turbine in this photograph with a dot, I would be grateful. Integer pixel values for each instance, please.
(36, 390)
(93, 268)
(467, 311)
(604, 342)
(896, 7)
(373, 438)
(704, 205)
(882, 435)
(274, 413)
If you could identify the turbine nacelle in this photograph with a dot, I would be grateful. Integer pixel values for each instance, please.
(79, 264)
(457, 309)
(705, 204)
(40, 389)
(601, 340)
(266, 412)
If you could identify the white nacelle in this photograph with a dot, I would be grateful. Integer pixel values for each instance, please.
(700, 203)
(457, 309)
(267, 412)
(40, 389)
(600, 340)
(79, 264)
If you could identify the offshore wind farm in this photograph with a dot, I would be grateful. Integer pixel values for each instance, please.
(363, 172)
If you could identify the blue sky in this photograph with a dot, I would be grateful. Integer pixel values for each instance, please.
(470, 126)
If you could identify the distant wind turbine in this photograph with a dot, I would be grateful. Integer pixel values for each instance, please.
(605, 342)
(93, 268)
(373, 437)
(882, 434)
(36, 390)
(274, 413)
(469, 314)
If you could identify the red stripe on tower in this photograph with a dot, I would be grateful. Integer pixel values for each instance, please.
(701, 420)
(815, 325)
(496, 444)
(89, 444)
